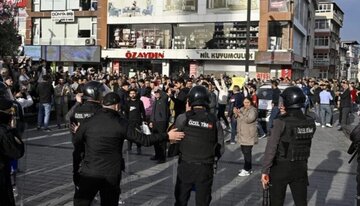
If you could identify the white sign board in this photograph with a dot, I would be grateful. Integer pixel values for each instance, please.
(63, 16)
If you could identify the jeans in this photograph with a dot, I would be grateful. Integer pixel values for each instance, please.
(317, 112)
(274, 113)
(233, 129)
(221, 114)
(44, 114)
(246, 150)
(260, 129)
(325, 114)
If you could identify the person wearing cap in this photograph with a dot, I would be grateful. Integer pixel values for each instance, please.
(159, 122)
(103, 161)
(11, 148)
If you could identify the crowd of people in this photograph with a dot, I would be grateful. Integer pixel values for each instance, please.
(157, 100)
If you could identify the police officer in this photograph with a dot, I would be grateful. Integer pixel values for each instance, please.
(11, 148)
(288, 149)
(18, 123)
(102, 163)
(354, 150)
(198, 150)
(93, 91)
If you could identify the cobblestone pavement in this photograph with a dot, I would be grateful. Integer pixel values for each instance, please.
(46, 177)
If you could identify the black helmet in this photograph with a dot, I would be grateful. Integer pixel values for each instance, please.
(94, 90)
(293, 97)
(199, 96)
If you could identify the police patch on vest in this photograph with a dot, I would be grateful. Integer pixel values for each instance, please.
(304, 132)
(200, 124)
(83, 115)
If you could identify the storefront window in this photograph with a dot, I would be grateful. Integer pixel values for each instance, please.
(180, 6)
(276, 31)
(214, 36)
(157, 36)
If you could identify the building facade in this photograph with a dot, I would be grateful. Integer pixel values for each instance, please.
(172, 36)
(329, 20)
(63, 31)
(285, 43)
(349, 64)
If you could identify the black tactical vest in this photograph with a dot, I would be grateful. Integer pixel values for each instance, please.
(295, 141)
(84, 111)
(200, 140)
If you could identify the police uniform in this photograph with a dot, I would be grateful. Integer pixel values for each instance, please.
(102, 163)
(287, 152)
(77, 114)
(11, 147)
(198, 150)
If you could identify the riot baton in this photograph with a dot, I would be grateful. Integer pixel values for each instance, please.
(266, 197)
(353, 156)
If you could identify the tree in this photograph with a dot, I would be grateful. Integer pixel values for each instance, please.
(9, 38)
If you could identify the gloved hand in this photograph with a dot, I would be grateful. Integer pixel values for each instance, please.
(76, 178)
(265, 179)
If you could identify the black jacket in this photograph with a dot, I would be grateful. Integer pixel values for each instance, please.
(135, 111)
(45, 91)
(124, 95)
(345, 99)
(161, 110)
(180, 101)
(103, 145)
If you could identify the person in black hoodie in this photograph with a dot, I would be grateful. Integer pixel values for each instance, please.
(135, 114)
(180, 97)
(45, 91)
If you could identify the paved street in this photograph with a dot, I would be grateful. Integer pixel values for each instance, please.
(46, 177)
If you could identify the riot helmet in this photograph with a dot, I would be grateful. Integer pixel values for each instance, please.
(293, 98)
(94, 90)
(199, 96)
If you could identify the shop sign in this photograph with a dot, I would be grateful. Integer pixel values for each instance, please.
(63, 16)
(262, 75)
(226, 55)
(286, 73)
(144, 55)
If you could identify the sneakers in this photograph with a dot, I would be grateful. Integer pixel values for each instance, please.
(230, 142)
(323, 126)
(47, 130)
(329, 125)
(317, 124)
(244, 173)
(263, 136)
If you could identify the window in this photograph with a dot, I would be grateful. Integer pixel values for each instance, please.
(321, 55)
(276, 30)
(321, 24)
(324, 8)
(321, 41)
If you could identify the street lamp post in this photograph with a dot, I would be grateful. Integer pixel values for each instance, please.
(248, 21)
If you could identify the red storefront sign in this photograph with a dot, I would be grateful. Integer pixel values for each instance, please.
(262, 75)
(116, 67)
(286, 73)
(144, 55)
(193, 70)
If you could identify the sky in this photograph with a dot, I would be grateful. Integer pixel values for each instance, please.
(351, 27)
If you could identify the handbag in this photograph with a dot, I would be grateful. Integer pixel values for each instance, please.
(145, 129)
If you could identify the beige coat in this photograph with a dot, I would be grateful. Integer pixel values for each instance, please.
(246, 126)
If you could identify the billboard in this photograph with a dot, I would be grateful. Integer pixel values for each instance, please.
(80, 54)
(52, 53)
(33, 51)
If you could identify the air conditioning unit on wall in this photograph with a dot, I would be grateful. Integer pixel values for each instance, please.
(90, 41)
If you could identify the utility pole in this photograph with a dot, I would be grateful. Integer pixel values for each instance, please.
(248, 21)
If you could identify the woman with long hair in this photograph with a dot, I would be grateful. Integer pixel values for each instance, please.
(247, 132)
